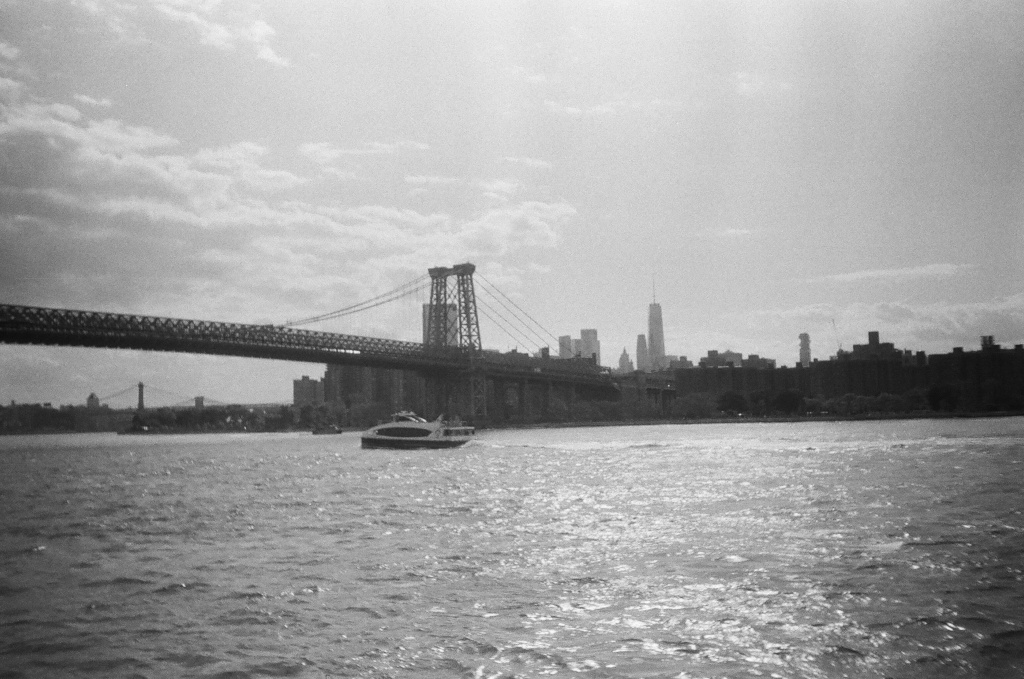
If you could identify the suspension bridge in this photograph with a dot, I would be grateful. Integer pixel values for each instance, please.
(461, 378)
(139, 393)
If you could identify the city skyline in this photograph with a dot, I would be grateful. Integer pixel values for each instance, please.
(775, 168)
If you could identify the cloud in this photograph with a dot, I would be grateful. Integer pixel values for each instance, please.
(223, 26)
(434, 180)
(90, 101)
(613, 108)
(345, 175)
(529, 162)
(898, 275)
(499, 190)
(561, 109)
(224, 36)
(242, 160)
(85, 202)
(321, 153)
(9, 52)
(330, 156)
(58, 121)
(529, 224)
(269, 55)
(325, 152)
(9, 89)
(98, 214)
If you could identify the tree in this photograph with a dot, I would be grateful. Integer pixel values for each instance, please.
(732, 403)
(915, 399)
(693, 406)
(789, 402)
(943, 396)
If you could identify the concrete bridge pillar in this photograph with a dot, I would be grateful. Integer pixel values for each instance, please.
(524, 401)
(501, 401)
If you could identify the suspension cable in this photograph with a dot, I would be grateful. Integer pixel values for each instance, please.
(526, 325)
(405, 290)
(512, 302)
(521, 336)
(119, 393)
(501, 326)
(168, 392)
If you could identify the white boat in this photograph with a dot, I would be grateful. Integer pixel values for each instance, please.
(408, 430)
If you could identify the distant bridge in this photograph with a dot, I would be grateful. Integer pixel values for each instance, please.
(462, 373)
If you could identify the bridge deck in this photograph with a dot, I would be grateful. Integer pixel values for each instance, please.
(68, 327)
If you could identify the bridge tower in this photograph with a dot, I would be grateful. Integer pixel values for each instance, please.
(453, 324)
(452, 319)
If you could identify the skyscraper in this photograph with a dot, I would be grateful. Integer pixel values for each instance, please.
(625, 364)
(805, 349)
(449, 337)
(590, 347)
(643, 359)
(656, 337)
(565, 346)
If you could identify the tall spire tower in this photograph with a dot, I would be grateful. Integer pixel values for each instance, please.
(656, 338)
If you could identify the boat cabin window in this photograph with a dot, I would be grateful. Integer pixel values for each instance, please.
(403, 432)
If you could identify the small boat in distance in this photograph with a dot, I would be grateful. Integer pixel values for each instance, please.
(408, 430)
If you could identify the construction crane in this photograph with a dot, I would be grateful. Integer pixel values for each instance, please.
(839, 345)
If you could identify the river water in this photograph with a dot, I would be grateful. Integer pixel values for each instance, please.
(854, 549)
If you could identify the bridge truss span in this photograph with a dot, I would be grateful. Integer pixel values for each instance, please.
(97, 329)
(461, 376)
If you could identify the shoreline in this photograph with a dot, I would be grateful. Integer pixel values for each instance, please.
(764, 420)
(597, 423)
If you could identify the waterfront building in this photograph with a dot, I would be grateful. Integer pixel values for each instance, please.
(590, 347)
(656, 337)
(805, 350)
(93, 401)
(643, 358)
(755, 361)
(307, 392)
(679, 362)
(722, 359)
(873, 350)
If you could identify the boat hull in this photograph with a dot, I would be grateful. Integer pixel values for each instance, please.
(412, 443)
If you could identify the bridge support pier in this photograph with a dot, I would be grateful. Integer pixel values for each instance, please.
(524, 401)
(477, 395)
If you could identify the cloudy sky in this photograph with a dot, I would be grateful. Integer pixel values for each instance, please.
(763, 168)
